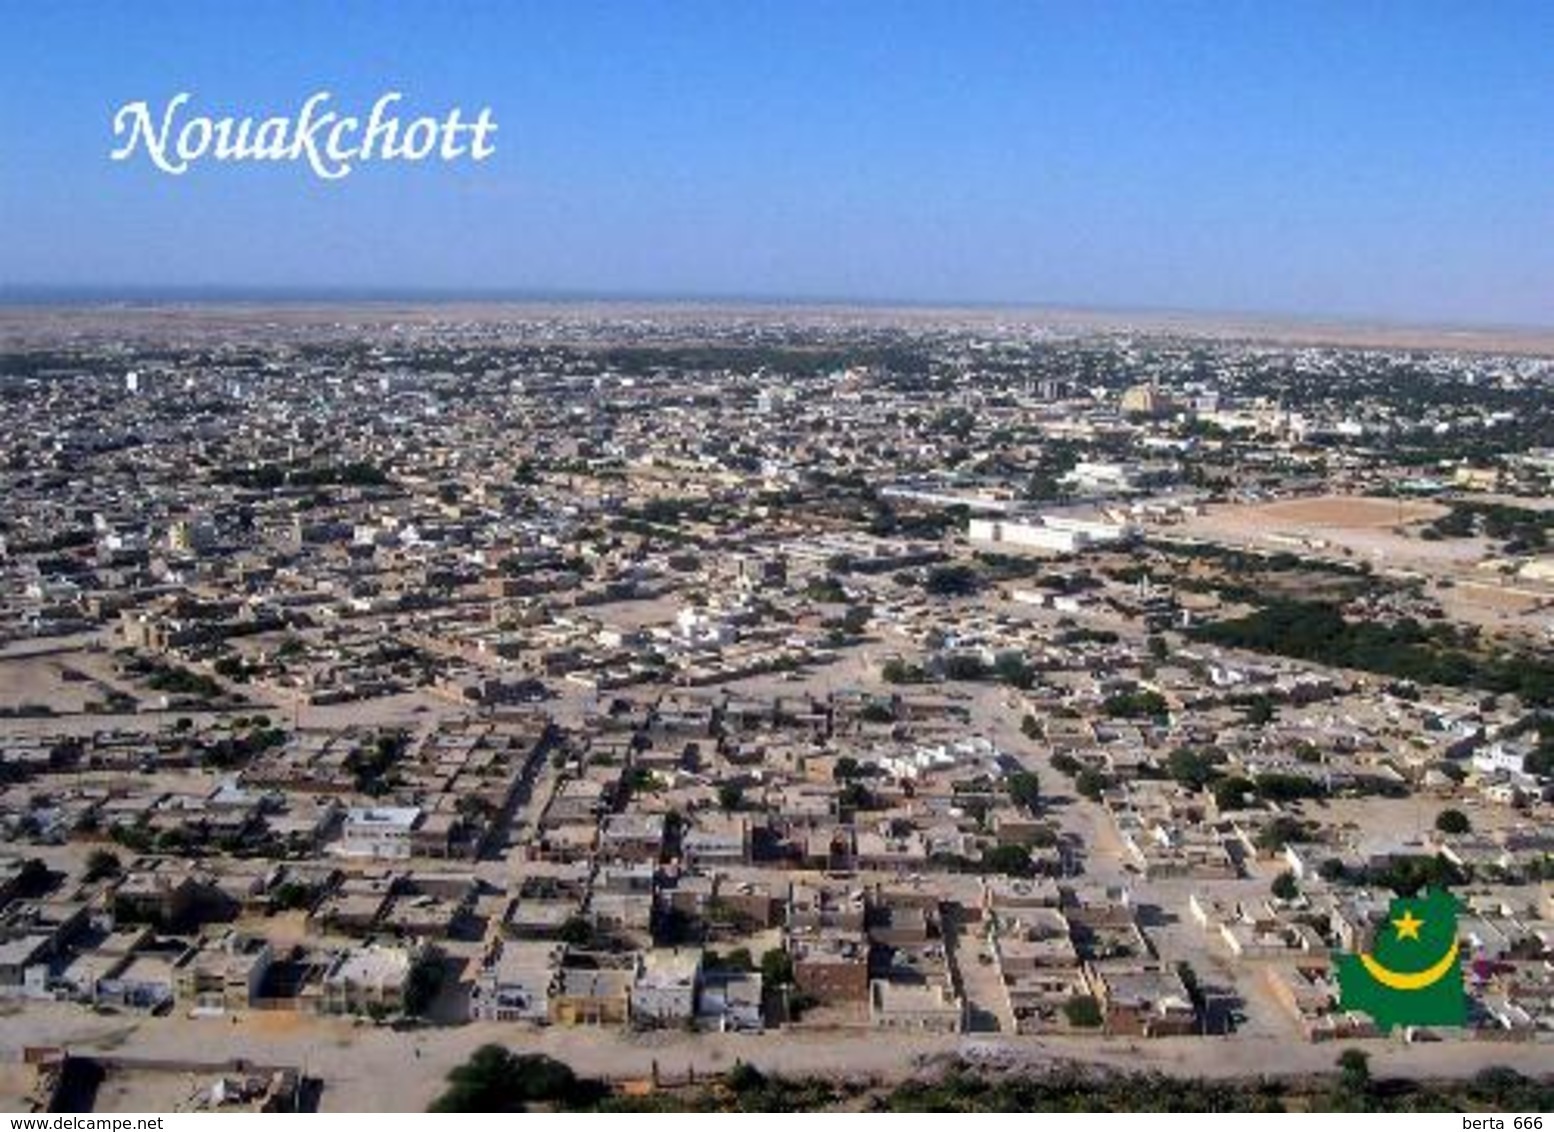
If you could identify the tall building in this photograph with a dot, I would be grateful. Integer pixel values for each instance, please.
(1145, 401)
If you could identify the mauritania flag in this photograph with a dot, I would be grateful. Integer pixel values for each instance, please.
(1412, 976)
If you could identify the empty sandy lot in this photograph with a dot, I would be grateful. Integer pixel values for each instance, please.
(1384, 531)
(1344, 512)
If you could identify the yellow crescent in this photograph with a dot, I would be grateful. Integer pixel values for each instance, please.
(1412, 980)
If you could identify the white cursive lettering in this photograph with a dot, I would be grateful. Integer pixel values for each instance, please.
(330, 144)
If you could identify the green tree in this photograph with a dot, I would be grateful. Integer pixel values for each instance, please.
(1261, 712)
(577, 931)
(1011, 860)
(777, 968)
(1453, 822)
(856, 796)
(1193, 769)
(1024, 790)
(1232, 793)
(1354, 1071)
(744, 1078)
(1141, 704)
(1083, 1011)
(877, 712)
(1284, 886)
(1011, 668)
(951, 581)
(1065, 763)
(495, 1079)
(1092, 784)
(963, 666)
(291, 895)
(102, 863)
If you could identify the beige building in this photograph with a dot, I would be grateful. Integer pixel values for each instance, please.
(367, 980)
(224, 975)
(931, 1008)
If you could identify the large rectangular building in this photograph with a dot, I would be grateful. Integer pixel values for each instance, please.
(1056, 533)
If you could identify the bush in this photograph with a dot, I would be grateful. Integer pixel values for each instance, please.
(1142, 704)
(876, 712)
(963, 667)
(1287, 787)
(744, 1077)
(951, 581)
(1274, 836)
(897, 671)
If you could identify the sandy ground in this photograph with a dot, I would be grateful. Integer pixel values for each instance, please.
(1379, 530)
(1358, 529)
(1347, 511)
(1383, 532)
(44, 680)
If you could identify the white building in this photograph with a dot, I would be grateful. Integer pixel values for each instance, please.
(1057, 533)
(1095, 475)
(703, 630)
(665, 990)
(515, 984)
(1498, 758)
(379, 832)
(731, 1001)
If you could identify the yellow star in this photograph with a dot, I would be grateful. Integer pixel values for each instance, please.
(1408, 927)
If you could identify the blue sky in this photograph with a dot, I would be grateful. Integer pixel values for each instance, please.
(1391, 160)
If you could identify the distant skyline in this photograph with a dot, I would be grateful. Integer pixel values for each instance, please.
(1388, 161)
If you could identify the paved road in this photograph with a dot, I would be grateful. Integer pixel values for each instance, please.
(370, 1069)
